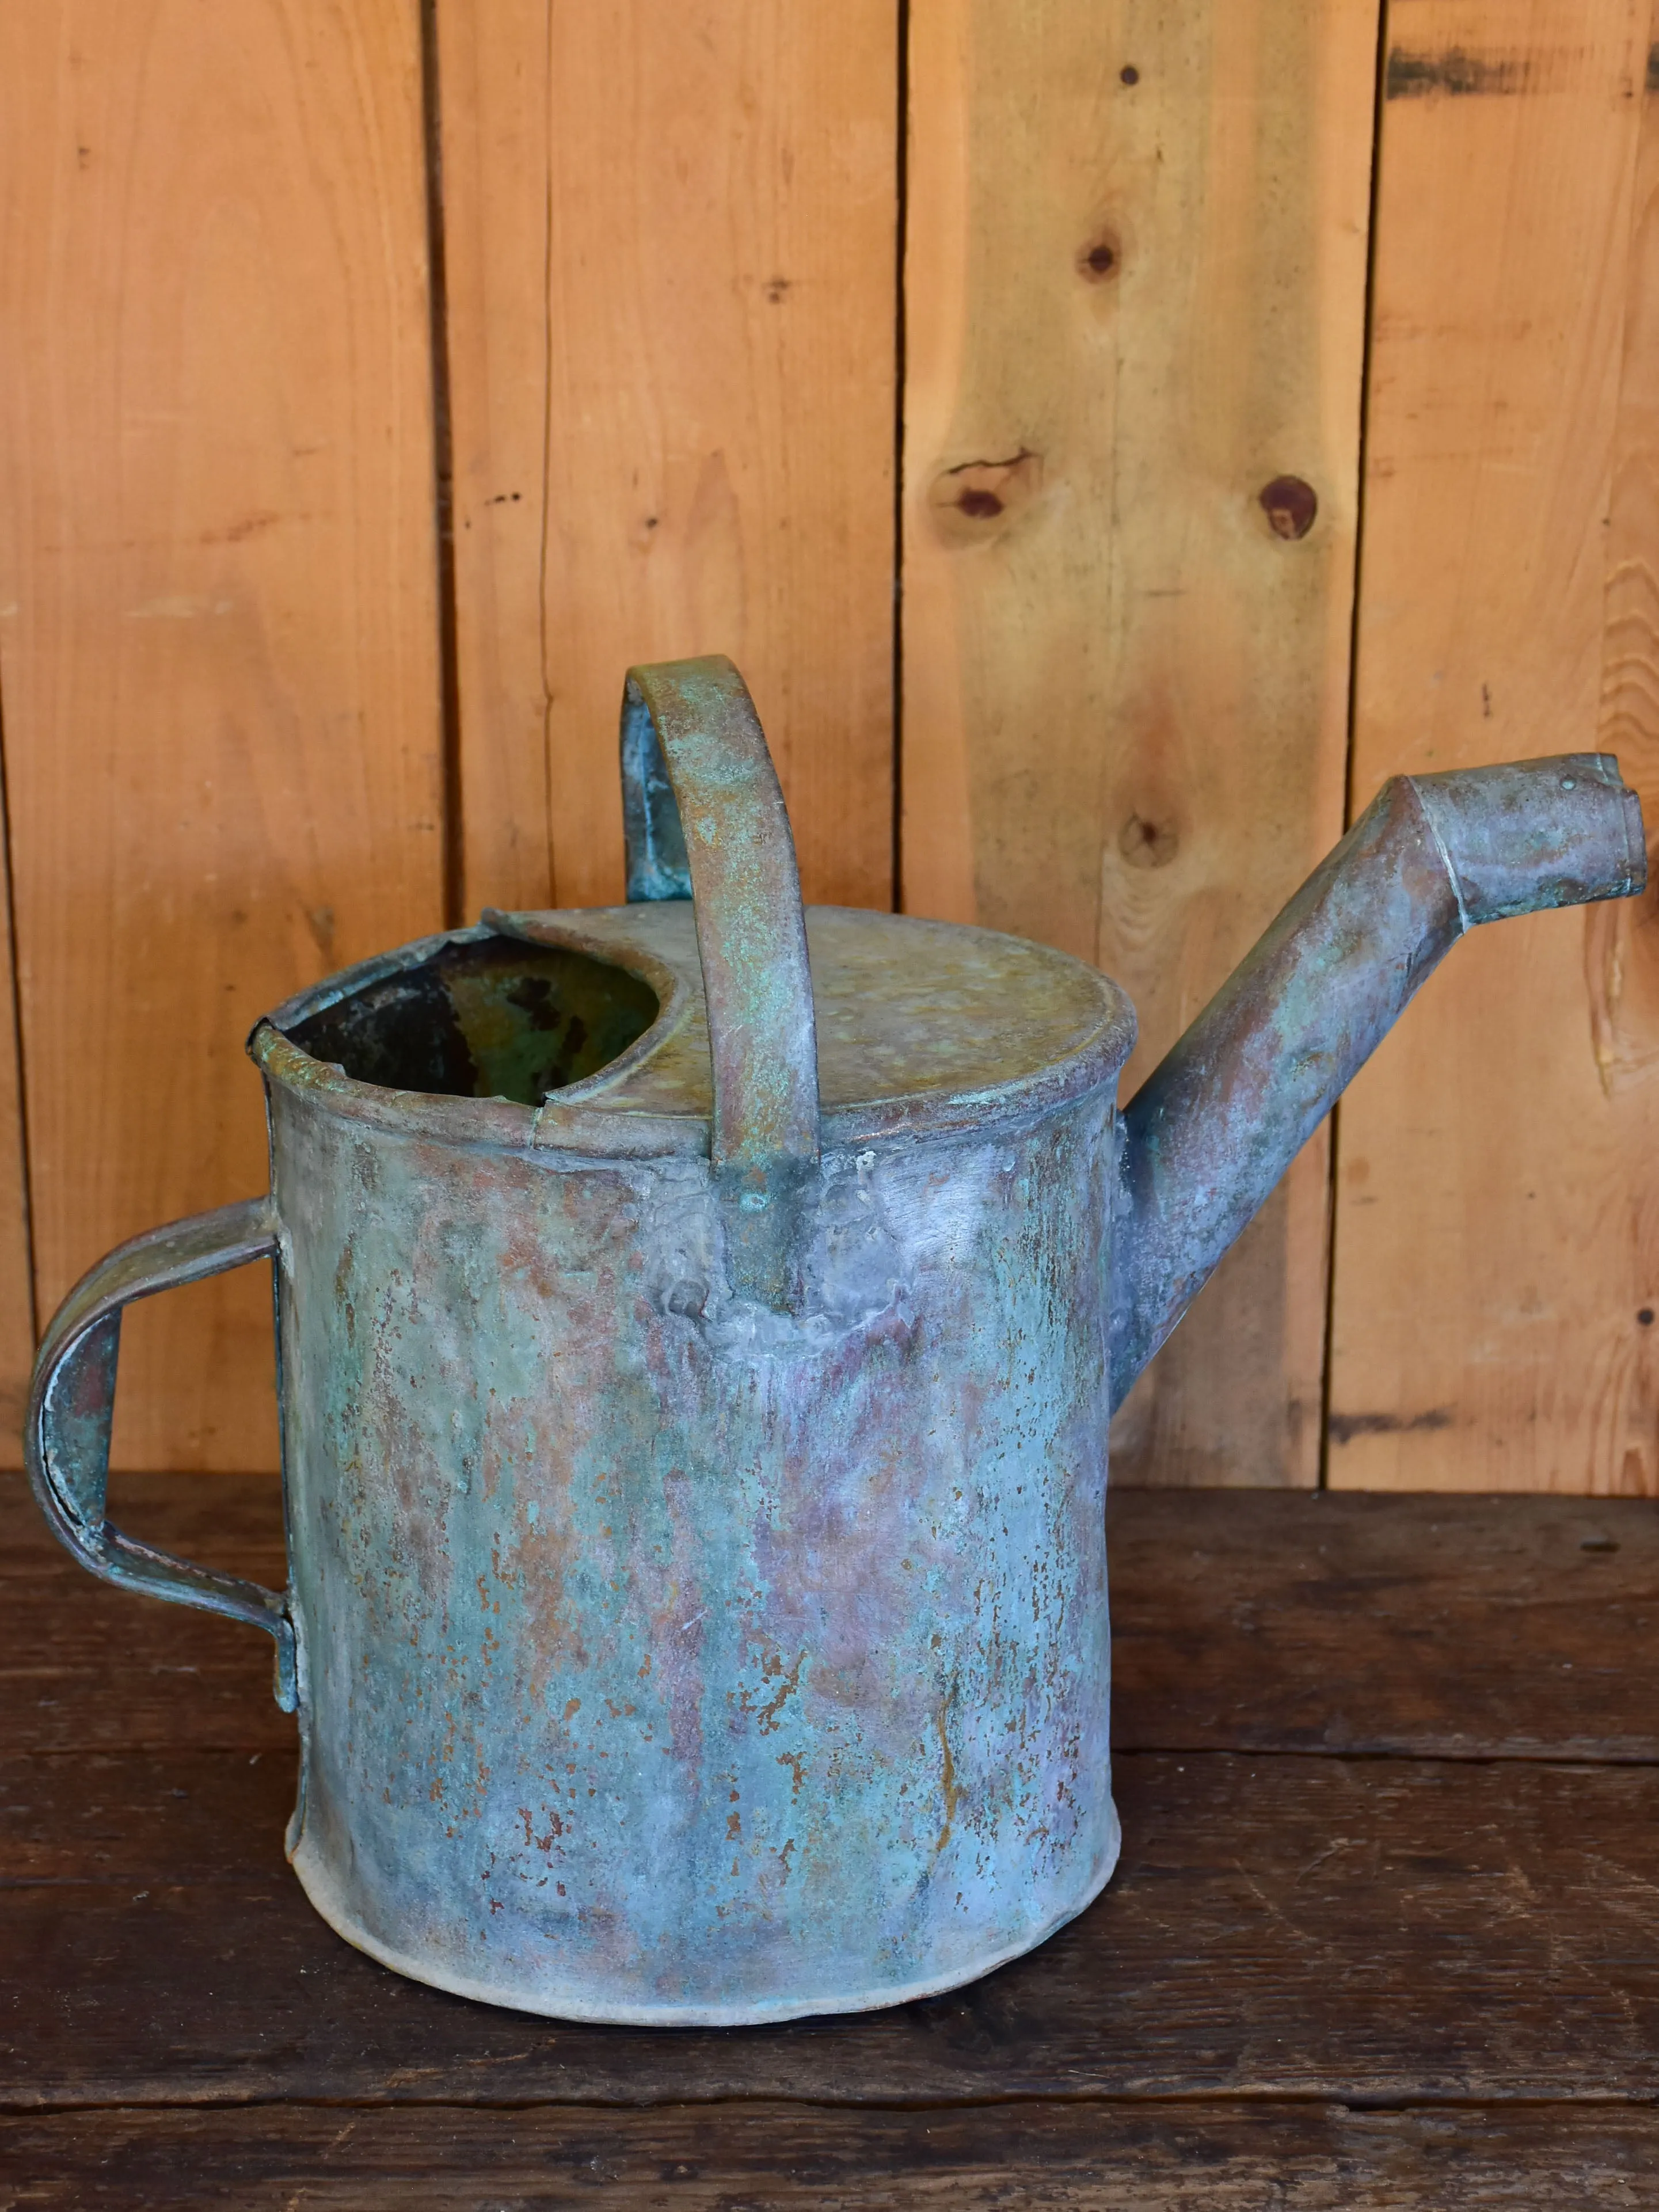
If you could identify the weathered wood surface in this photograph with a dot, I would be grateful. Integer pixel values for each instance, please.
(1496, 1252)
(1383, 1929)
(672, 235)
(1471, 1941)
(1135, 281)
(218, 645)
(1078, 2156)
(1451, 1628)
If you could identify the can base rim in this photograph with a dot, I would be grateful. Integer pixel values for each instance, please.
(324, 1895)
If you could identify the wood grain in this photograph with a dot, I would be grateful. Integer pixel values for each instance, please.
(1135, 276)
(1073, 2156)
(671, 238)
(217, 560)
(1497, 1246)
(1387, 1928)
(17, 1329)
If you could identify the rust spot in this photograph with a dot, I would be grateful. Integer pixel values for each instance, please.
(1148, 844)
(1290, 504)
(947, 1782)
(1456, 72)
(767, 1719)
(777, 289)
(1345, 1427)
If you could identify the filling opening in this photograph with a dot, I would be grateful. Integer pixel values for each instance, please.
(494, 1018)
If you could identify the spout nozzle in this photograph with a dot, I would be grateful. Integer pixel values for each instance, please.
(1533, 834)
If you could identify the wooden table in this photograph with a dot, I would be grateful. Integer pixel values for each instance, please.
(1385, 1933)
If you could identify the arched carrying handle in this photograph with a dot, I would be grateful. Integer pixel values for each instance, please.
(705, 818)
(72, 1403)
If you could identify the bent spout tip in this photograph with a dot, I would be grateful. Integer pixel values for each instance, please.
(1635, 837)
(1563, 831)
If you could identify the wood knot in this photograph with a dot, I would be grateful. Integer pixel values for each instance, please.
(1290, 504)
(1147, 844)
(1099, 259)
(972, 499)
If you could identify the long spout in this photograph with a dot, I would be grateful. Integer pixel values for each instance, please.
(1213, 1127)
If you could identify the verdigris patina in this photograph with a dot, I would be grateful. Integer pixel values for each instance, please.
(699, 1322)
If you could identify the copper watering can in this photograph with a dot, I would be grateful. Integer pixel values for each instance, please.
(698, 1324)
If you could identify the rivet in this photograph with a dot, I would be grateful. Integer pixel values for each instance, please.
(1129, 74)
(1568, 783)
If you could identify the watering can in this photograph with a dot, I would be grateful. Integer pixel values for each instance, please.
(698, 1324)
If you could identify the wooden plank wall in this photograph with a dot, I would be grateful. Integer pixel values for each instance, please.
(1135, 300)
(672, 229)
(1497, 1236)
(219, 658)
(934, 361)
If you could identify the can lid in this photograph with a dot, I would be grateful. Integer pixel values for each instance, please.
(713, 1014)
(588, 1030)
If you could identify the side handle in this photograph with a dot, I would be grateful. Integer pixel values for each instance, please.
(72, 1404)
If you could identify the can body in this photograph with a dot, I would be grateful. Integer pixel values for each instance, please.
(665, 1658)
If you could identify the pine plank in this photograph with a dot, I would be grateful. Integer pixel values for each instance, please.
(1496, 1263)
(218, 567)
(1455, 1627)
(671, 236)
(1135, 278)
(495, 100)
(16, 1267)
(1065, 2157)
(1388, 1929)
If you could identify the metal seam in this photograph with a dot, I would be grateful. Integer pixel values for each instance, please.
(1464, 924)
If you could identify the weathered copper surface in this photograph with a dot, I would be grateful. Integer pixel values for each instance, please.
(698, 1327)
(1219, 1120)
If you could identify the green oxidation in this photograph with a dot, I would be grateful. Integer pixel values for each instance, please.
(752, 934)
(1220, 1119)
(691, 1629)
(666, 1658)
(485, 1019)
